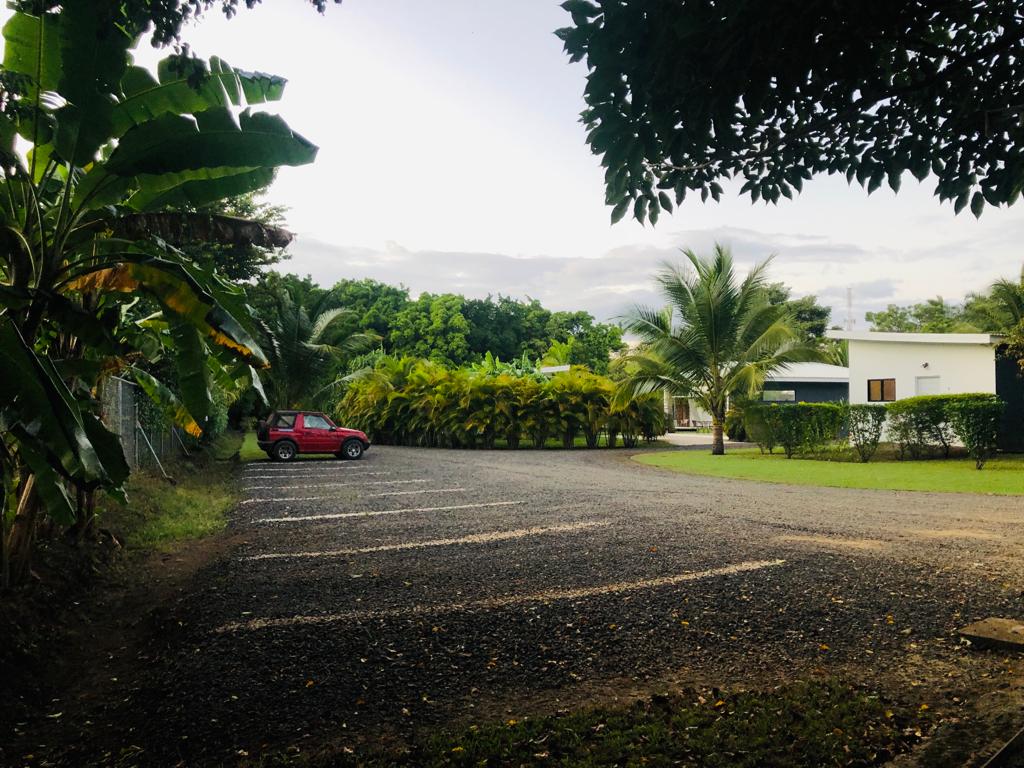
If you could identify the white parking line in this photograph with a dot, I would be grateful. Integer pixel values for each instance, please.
(340, 515)
(303, 466)
(298, 477)
(366, 496)
(330, 485)
(506, 601)
(414, 493)
(476, 538)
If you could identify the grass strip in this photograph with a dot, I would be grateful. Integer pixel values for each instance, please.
(1003, 475)
(159, 514)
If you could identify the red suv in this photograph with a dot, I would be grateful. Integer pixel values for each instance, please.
(285, 434)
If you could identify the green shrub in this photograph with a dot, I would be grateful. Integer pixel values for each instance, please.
(643, 416)
(864, 424)
(735, 426)
(404, 401)
(975, 421)
(797, 427)
(762, 424)
(917, 425)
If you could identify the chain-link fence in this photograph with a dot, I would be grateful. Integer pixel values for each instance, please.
(144, 440)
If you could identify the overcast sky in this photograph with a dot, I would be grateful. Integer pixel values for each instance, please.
(452, 159)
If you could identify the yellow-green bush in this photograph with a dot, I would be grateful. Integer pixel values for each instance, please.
(406, 401)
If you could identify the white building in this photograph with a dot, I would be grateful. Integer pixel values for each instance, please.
(793, 383)
(891, 366)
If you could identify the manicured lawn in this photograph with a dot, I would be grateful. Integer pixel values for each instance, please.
(1003, 475)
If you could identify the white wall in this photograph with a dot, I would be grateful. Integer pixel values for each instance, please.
(960, 367)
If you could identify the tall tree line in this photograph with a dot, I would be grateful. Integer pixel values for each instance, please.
(447, 328)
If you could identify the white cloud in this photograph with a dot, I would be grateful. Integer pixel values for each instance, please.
(451, 129)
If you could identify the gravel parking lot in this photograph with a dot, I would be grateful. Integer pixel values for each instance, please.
(416, 588)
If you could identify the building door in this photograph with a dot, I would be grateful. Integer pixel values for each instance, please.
(926, 385)
(682, 412)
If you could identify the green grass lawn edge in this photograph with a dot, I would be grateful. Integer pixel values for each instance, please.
(1002, 476)
(160, 515)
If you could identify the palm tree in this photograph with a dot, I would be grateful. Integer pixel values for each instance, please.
(301, 352)
(1010, 296)
(717, 337)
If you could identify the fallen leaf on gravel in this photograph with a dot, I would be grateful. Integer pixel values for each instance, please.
(310, 683)
(823, 647)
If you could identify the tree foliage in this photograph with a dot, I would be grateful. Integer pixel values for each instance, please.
(89, 283)
(1000, 309)
(410, 401)
(807, 317)
(717, 337)
(683, 95)
(452, 329)
(305, 348)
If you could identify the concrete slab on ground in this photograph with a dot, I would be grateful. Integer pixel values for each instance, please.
(996, 633)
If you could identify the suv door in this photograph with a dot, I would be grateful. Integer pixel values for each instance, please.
(316, 434)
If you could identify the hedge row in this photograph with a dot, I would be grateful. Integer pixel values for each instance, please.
(917, 426)
(408, 402)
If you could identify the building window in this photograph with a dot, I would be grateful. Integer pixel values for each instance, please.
(779, 396)
(881, 390)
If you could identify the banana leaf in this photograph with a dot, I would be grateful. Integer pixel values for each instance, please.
(175, 91)
(167, 401)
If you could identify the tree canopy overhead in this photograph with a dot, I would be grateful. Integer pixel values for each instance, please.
(683, 94)
(162, 18)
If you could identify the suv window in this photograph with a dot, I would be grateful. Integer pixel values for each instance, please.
(310, 421)
(283, 421)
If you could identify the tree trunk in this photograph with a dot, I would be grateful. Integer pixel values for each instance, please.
(19, 543)
(717, 438)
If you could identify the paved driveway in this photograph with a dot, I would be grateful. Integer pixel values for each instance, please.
(419, 587)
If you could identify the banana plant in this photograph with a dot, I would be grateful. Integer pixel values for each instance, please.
(95, 150)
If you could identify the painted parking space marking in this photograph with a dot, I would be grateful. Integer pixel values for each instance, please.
(415, 493)
(299, 477)
(507, 601)
(302, 466)
(476, 538)
(365, 496)
(330, 485)
(342, 515)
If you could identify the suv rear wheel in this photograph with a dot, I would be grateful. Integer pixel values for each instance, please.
(284, 450)
(352, 449)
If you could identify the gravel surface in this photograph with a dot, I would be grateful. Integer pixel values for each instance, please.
(424, 587)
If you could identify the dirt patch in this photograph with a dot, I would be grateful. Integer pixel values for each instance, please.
(953, 533)
(832, 542)
(92, 633)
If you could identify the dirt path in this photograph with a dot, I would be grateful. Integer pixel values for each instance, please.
(417, 588)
